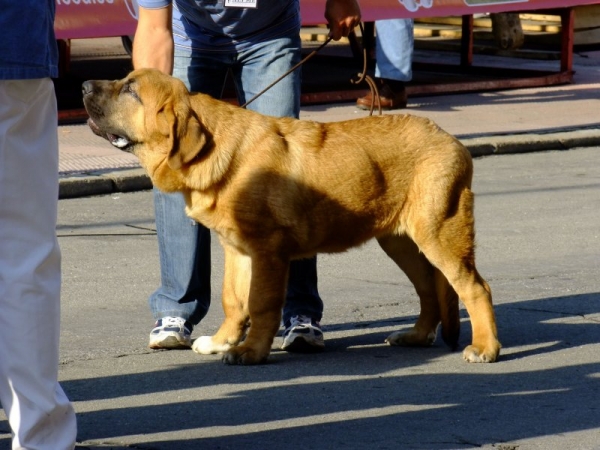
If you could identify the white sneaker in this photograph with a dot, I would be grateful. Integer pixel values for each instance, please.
(303, 335)
(171, 332)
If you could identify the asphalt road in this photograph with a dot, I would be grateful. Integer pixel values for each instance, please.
(538, 224)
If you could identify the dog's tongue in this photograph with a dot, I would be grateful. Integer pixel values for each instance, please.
(117, 141)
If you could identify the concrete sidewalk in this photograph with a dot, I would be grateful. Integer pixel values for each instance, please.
(522, 120)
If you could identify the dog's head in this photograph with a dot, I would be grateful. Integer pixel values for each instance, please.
(147, 113)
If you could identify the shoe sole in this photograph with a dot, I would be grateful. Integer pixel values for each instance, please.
(168, 343)
(301, 345)
(375, 108)
(383, 108)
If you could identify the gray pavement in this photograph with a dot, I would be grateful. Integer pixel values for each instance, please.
(538, 246)
(538, 216)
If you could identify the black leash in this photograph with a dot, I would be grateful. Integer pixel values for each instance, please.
(310, 55)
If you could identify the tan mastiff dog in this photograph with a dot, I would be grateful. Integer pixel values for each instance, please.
(276, 189)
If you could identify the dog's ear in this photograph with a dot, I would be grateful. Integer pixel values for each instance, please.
(186, 135)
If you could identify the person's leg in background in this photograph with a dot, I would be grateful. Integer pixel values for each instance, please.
(394, 46)
(183, 297)
(38, 410)
(257, 68)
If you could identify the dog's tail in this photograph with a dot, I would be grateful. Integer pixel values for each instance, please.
(449, 314)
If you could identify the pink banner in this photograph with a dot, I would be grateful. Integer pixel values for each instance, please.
(312, 10)
(77, 19)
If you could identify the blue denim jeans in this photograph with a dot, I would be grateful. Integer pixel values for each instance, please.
(184, 245)
(394, 44)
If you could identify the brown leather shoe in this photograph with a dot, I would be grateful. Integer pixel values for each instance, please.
(391, 93)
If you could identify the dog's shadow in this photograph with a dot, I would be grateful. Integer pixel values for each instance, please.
(541, 326)
(527, 328)
(359, 384)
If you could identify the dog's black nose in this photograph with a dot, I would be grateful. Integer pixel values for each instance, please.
(87, 87)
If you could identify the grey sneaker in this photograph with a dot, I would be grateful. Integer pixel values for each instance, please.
(171, 332)
(303, 335)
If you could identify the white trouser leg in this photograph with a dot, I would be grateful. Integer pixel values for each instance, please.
(38, 410)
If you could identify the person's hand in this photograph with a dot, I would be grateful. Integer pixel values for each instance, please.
(342, 16)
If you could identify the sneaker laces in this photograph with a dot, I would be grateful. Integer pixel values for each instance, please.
(302, 320)
(172, 322)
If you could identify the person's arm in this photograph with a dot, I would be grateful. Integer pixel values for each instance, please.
(153, 41)
(342, 16)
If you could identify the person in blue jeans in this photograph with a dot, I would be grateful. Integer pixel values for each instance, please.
(394, 45)
(201, 42)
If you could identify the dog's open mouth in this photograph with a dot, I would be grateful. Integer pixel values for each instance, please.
(120, 142)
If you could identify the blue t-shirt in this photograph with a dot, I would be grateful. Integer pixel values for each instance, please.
(28, 46)
(210, 26)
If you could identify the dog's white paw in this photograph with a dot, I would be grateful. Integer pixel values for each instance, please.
(205, 346)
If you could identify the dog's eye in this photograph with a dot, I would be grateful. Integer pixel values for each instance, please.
(128, 89)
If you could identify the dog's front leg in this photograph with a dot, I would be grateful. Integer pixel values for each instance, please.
(267, 295)
(236, 287)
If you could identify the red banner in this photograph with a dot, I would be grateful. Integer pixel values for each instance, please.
(312, 10)
(76, 19)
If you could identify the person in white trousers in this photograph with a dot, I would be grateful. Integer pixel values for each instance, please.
(40, 415)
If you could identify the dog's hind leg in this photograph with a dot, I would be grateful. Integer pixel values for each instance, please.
(449, 313)
(265, 302)
(436, 301)
(236, 287)
(448, 242)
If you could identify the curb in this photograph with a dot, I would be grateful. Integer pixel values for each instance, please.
(532, 142)
(103, 182)
(130, 180)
